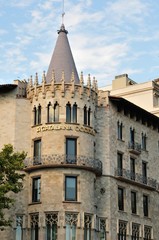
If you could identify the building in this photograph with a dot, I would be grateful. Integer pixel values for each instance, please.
(145, 95)
(92, 158)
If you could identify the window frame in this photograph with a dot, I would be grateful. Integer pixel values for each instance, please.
(67, 198)
(120, 163)
(36, 189)
(145, 205)
(120, 198)
(133, 202)
(37, 151)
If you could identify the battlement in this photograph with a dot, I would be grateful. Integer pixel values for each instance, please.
(62, 89)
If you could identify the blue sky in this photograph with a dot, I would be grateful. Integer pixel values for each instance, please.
(107, 37)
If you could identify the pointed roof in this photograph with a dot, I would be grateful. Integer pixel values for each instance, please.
(62, 60)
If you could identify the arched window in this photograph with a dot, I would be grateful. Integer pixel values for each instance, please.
(74, 119)
(89, 116)
(49, 113)
(68, 112)
(56, 112)
(85, 115)
(37, 115)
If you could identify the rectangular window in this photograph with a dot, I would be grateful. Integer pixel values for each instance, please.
(19, 227)
(37, 151)
(51, 220)
(121, 199)
(144, 172)
(133, 202)
(145, 205)
(71, 144)
(120, 163)
(87, 227)
(132, 136)
(122, 230)
(120, 130)
(135, 231)
(70, 188)
(147, 233)
(36, 189)
(143, 141)
(132, 168)
(35, 227)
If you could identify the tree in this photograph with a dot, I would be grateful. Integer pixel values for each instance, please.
(11, 179)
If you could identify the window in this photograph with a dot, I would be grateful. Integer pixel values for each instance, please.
(56, 112)
(143, 141)
(121, 199)
(89, 116)
(51, 220)
(85, 115)
(135, 231)
(87, 227)
(74, 113)
(132, 136)
(132, 168)
(120, 163)
(122, 230)
(37, 115)
(68, 112)
(34, 227)
(71, 144)
(70, 188)
(49, 113)
(144, 172)
(37, 151)
(19, 227)
(133, 202)
(53, 113)
(147, 233)
(36, 189)
(145, 205)
(102, 229)
(119, 130)
(71, 225)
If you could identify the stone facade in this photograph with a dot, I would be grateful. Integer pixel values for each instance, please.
(92, 162)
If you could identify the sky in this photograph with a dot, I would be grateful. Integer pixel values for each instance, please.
(107, 38)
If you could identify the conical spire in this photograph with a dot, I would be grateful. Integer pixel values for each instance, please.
(62, 60)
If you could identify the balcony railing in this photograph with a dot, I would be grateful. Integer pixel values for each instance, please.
(136, 178)
(134, 147)
(56, 160)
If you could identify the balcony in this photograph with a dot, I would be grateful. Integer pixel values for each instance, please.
(66, 161)
(134, 147)
(135, 178)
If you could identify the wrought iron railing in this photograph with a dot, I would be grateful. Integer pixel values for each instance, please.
(134, 146)
(136, 177)
(60, 160)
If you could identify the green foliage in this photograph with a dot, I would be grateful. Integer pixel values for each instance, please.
(11, 178)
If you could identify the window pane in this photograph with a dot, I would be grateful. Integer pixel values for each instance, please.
(133, 202)
(121, 199)
(37, 151)
(74, 113)
(71, 150)
(70, 191)
(68, 113)
(36, 190)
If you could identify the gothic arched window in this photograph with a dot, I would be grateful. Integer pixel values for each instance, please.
(68, 112)
(74, 119)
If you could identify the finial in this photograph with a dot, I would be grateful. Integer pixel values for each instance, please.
(81, 78)
(44, 77)
(63, 11)
(36, 79)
